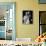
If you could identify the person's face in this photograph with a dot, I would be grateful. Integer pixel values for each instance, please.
(27, 13)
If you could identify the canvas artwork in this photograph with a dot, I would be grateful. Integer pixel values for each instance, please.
(27, 17)
(7, 23)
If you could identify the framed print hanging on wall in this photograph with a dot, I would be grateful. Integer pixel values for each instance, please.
(27, 17)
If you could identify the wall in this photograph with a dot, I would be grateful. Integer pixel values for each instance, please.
(31, 30)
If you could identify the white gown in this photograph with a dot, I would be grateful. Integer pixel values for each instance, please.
(26, 19)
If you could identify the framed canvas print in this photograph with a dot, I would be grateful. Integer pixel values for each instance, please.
(42, 22)
(27, 17)
(42, 1)
(7, 20)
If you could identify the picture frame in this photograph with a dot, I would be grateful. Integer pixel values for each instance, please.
(27, 17)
